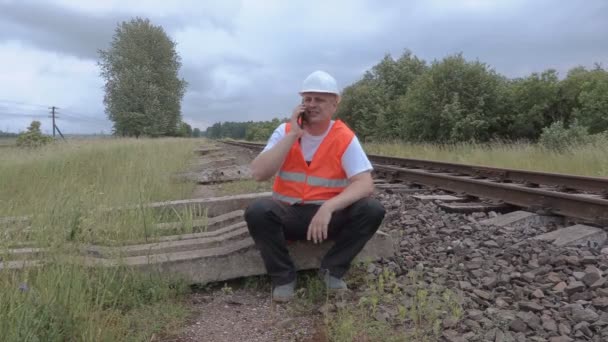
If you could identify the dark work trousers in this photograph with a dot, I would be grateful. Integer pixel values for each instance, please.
(271, 223)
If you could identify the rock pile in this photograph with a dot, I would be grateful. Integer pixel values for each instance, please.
(512, 288)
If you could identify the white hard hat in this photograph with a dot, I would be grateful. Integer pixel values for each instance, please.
(320, 82)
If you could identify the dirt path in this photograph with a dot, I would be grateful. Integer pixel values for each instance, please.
(245, 315)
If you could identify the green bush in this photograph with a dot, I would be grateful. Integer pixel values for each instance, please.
(33, 137)
(559, 138)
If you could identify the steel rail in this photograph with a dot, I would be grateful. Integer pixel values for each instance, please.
(563, 182)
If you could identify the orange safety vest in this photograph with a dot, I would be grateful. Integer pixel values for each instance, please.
(296, 182)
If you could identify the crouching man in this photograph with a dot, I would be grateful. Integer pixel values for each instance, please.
(322, 190)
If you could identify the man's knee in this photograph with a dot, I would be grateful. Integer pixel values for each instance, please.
(370, 208)
(259, 211)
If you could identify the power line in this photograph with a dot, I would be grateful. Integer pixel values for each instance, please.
(23, 103)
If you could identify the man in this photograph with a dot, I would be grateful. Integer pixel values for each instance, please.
(322, 190)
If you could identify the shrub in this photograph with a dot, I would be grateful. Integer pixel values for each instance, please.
(559, 138)
(33, 137)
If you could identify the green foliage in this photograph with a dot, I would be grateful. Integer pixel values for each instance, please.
(252, 131)
(593, 98)
(559, 138)
(33, 137)
(455, 100)
(142, 91)
(184, 130)
(369, 105)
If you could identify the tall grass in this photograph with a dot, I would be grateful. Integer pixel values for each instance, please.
(588, 159)
(61, 188)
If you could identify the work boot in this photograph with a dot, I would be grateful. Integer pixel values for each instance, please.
(284, 293)
(331, 282)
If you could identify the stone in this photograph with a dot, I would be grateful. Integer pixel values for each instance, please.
(538, 293)
(490, 282)
(490, 244)
(592, 274)
(475, 315)
(600, 302)
(501, 303)
(560, 287)
(453, 336)
(530, 306)
(584, 315)
(574, 287)
(560, 339)
(599, 283)
(564, 329)
(518, 326)
(549, 324)
(483, 294)
(465, 285)
(578, 275)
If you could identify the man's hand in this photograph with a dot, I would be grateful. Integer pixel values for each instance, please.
(317, 231)
(295, 126)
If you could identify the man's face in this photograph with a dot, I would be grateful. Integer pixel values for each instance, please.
(319, 106)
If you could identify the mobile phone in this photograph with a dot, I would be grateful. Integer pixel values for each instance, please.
(302, 117)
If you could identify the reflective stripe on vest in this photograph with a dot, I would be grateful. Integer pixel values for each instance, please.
(313, 180)
(294, 200)
(293, 176)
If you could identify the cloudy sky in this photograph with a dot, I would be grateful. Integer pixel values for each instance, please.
(245, 60)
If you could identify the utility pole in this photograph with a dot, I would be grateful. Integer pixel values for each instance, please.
(54, 116)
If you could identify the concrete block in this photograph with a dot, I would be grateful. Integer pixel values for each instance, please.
(20, 264)
(211, 223)
(186, 243)
(214, 205)
(521, 218)
(443, 198)
(577, 235)
(238, 259)
(467, 208)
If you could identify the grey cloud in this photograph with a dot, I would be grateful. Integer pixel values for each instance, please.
(58, 29)
(515, 38)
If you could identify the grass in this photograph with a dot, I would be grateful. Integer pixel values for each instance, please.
(420, 309)
(589, 160)
(61, 188)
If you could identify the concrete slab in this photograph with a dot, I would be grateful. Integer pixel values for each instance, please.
(22, 253)
(521, 218)
(470, 207)
(205, 240)
(211, 223)
(443, 198)
(214, 205)
(577, 235)
(20, 264)
(239, 259)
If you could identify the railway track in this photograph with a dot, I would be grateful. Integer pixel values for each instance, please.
(579, 197)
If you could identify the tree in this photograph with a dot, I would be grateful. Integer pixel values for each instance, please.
(196, 133)
(33, 137)
(455, 100)
(142, 90)
(185, 130)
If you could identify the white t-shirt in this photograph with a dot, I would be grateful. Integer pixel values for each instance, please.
(354, 159)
